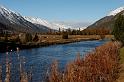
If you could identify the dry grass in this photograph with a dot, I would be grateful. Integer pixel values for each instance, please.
(98, 66)
(71, 38)
(53, 38)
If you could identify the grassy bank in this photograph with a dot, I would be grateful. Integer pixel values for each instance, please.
(121, 70)
(101, 65)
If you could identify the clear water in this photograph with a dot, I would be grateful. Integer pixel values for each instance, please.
(40, 59)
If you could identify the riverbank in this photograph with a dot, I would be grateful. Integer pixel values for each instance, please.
(101, 65)
(8, 46)
(46, 40)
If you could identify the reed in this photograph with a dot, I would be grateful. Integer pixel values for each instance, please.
(23, 74)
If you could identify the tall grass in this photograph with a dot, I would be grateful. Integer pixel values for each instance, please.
(101, 65)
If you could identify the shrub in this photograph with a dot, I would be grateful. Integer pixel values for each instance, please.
(102, 36)
(65, 35)
(36, 38)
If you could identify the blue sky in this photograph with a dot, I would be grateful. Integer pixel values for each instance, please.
(64, 10)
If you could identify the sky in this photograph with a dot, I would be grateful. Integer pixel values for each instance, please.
(63, 10)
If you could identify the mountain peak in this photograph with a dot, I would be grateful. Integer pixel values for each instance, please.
(116, 11)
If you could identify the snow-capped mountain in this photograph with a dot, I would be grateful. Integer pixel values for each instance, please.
(116, 11)
(17, 22)
(38, 21)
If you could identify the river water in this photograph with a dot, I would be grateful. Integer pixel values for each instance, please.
(38, 60)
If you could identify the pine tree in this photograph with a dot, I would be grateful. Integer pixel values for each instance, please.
(36, 38)
(118, 30)
(65, 35)
(28, 37)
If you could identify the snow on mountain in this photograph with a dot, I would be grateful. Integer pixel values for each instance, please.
(11, 16)
(4, 10)
(61, 26)
(51, 25)
(8, 13)
(38, 21)
(116, 11)
(58, 24)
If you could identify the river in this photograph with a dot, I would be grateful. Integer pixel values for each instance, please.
(38, 60)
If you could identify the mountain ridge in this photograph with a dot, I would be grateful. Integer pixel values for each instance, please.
(107, 21)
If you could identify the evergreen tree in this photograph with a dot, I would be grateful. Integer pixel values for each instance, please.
(65, 35)
(36, 38)
(118, 30)
(17, 39)
(59, 31)
(6, 37)
(28, 37)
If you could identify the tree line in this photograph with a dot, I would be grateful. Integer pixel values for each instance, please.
(91, 31)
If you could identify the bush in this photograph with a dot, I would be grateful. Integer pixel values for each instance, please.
(65, 35)
(36, 38)
(102, 36)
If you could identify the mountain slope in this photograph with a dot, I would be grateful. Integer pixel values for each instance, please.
(108, 21)
(17, 22)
